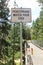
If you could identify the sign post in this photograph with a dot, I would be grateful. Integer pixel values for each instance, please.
(20, 15)
(21, 43)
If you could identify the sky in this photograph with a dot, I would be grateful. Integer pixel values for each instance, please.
(33, 4)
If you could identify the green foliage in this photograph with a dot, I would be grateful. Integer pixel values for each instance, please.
(37, 30)
(26, 32)
(17, 63)
(4, 11)
(14, 40)
(40, 1)
(37, 26)
(4, 30)
(17, 55)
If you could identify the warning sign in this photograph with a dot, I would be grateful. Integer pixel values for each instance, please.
(21, 14)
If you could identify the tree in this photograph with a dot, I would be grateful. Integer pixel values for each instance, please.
(26, 32)
(41, 19)
(37, 26)
(4, 26)
(35, 29)
(40, 1)
(14, 37)
(4, 11)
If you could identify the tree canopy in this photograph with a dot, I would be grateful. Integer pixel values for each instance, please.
(37, 26)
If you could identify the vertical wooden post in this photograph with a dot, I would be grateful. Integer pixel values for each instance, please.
(21, 43)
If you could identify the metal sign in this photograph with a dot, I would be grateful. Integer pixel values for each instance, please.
(21, 14)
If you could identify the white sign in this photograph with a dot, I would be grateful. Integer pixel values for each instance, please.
(21, 14)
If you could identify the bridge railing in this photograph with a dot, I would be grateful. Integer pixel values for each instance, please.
(38, 43)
